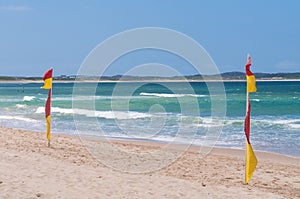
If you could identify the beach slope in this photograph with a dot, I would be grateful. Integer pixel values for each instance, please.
(29, 169)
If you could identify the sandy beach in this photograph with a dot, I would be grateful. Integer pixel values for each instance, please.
(29, 169)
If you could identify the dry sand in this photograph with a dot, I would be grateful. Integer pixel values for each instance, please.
(29, 169)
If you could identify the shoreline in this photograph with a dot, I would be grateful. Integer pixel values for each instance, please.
(68, 170)
(194, 147)
(151, 142)
(157, 143)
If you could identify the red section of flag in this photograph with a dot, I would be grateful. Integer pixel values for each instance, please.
(247, 122)
(48, 74)
(48, 104)
(248, 72)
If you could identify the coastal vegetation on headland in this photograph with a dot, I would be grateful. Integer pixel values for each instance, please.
(239, 76)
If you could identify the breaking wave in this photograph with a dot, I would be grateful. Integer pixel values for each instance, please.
(121, 115)
(170, 95)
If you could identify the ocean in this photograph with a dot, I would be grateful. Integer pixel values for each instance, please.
(174, 112)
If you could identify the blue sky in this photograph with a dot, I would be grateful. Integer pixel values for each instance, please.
(36, 35)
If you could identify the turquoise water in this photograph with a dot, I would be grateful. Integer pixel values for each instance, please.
(161, 112)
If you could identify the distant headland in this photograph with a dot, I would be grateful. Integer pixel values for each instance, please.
(227, 76)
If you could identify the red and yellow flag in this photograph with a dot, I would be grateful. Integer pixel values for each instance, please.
(251, 81)
(247, 121)
(48, 85)
(48, 79)
(47, 112)
(251, 160)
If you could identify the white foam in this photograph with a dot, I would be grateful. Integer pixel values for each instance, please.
(21, 105)
(255, 100)
(91, 98)
(121, 115)
(8, 117)
(294, 126)
(289, 123)
(292, 123)
(75, 98)
(28, 98)
(208, 123)
(282, 121)
(170, 95)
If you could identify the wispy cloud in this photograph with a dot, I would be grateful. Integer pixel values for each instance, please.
(14, 8)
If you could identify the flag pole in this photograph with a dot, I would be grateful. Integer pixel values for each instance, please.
(251, 160)
(50, 110)
(247, 105)
(48, 85)
(50, 114)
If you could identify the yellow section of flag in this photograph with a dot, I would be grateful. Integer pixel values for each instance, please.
(251, 162)
(251, 83)
(47, 83)
(48, 127)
